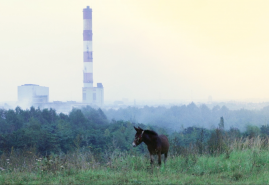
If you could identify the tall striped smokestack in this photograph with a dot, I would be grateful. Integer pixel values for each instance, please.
(87, 48)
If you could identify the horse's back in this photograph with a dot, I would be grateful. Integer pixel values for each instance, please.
(165, 143)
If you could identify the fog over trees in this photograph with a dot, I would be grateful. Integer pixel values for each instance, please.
(179, 117)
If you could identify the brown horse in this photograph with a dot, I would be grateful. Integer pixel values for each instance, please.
(157, 145)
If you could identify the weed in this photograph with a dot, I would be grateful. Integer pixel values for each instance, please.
(243, 160)
(237, 175)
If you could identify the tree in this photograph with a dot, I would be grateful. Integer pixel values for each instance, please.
(221, 123)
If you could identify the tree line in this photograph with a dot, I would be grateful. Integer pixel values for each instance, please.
(49, 132)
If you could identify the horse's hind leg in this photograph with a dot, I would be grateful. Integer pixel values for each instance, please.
(165, 157)
(151, 159)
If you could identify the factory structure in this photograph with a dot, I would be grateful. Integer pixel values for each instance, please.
(32, 94)
(35, 95)
(90, 94)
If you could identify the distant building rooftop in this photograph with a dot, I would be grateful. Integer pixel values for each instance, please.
(30, 85)
(99, 85)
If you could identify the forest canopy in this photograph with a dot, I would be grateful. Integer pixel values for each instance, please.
(50, 132)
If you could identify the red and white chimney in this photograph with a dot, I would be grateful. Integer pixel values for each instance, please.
(87, 48)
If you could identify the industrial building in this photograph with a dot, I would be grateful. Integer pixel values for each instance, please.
(90, 95)
(33, 94)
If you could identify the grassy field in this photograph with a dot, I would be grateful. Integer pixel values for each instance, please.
(246, 162)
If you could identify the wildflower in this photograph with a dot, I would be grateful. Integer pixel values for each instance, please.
(7, 159)
(2, 169)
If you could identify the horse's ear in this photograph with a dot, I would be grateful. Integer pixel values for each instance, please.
(140, 128)
(135, 128)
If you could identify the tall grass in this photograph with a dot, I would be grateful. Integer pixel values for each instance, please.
(245, 161)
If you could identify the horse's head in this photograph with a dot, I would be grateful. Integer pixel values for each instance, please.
(138, 136)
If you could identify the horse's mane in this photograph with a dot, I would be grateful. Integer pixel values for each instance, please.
(151, 132)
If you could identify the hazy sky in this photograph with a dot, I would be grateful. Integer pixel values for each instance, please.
(142, 49)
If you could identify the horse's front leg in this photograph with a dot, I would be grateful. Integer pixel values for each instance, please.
(159, 158)
(151, 159)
